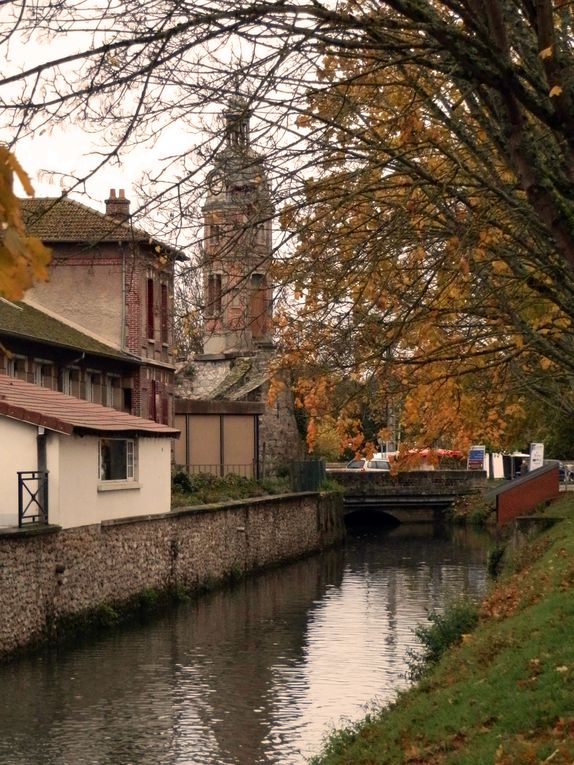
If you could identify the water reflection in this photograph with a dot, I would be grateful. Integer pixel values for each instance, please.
(253, 674)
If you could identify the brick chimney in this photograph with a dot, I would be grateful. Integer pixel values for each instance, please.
(118, 207)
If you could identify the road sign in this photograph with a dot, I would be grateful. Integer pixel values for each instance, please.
(475, 460)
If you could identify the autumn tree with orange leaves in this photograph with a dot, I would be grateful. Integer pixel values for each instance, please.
(424, 271)
(421, 153)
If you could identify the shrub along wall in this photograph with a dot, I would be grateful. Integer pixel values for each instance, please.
(47, 576)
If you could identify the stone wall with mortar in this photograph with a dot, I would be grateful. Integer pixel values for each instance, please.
(48, 575)
(379, 482)
(198, 379)
(280, 441)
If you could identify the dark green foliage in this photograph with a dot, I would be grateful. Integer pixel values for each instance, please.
(494, 560)
(329, 484)
(206, 488)
(445, 629)
(559, 438)
(181, 482)
(474, 509)
(148, 599)
(279, 485)
(338, 742)
(236, 574)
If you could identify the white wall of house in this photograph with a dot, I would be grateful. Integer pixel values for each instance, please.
(76, 495)
(17, 452)
(83, 499)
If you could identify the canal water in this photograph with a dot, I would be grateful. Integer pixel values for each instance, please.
(256, 673)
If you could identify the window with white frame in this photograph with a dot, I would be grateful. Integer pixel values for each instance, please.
(66, 381)
(116, 459)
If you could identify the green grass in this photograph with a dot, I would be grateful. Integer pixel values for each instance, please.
(504, 695)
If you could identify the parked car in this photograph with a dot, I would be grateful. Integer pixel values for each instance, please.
(565, 473)
(373, 464)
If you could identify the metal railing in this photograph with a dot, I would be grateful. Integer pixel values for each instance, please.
(247, 471)
(32, 497)
(307, 475)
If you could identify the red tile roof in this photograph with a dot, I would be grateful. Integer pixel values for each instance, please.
(59, 219)
(56, 411)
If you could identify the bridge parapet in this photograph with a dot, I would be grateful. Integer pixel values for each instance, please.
(458, 482)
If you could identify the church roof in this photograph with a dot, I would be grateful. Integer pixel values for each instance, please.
(246, 375)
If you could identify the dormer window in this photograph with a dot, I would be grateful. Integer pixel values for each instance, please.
(43, 373)
(16, 367)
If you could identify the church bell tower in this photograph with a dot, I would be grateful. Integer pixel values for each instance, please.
(237, 216)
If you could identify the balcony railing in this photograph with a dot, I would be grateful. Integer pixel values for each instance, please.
(32, 497)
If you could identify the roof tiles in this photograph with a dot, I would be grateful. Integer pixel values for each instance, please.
(30, 323)
(66, 414)
(59, 219)
(65, 220)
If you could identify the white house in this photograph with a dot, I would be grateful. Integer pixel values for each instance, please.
(100, 463)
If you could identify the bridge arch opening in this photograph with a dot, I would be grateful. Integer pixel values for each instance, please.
(370, 517)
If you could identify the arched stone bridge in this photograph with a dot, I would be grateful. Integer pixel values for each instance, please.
(418, 495)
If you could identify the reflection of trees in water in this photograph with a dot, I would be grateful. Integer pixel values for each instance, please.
(221, 678)
(237, 637)
(410, 569)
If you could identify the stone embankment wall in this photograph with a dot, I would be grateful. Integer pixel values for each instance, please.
(47, 576)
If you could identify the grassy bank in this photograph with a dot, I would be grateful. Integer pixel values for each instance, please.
(504, 695)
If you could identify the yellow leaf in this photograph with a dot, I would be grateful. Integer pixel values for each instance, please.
(545, 52)
(22, 175)
(22, 259)
(556, 91)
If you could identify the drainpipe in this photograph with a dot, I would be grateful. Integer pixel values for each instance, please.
(42, 467)
(123, 298)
